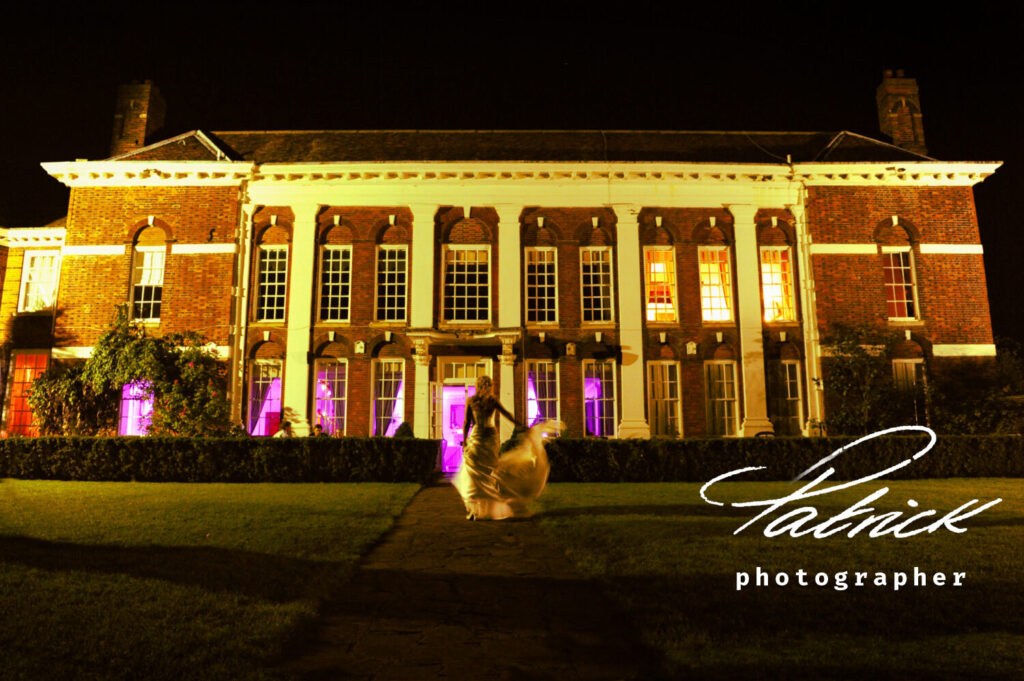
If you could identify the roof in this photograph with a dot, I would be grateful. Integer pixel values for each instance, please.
(339, 146)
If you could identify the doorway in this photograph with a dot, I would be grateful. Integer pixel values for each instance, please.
(458, 381)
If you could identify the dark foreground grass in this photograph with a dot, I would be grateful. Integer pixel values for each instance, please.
(173, 581)
(671, 560)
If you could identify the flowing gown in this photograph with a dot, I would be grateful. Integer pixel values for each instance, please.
(493, 486)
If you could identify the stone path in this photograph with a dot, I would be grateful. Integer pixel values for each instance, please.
(441, 597)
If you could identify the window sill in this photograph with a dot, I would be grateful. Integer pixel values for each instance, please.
(390, 324)
(333, 322)
(725, 324)
(905, 321)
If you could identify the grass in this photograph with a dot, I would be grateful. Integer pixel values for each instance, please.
(670, 560)
(173, 581)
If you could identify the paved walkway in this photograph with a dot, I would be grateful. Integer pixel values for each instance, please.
(441, 597)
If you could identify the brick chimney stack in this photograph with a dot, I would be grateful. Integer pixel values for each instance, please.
(899, 111)
(138, 114)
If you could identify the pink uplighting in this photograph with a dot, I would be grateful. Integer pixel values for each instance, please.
(136, 408)
(269, 420)
(453, 414)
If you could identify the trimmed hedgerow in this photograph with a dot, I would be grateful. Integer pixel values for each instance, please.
(180, 459)
(697, 460)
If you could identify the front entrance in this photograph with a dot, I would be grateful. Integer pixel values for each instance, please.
(458, 381)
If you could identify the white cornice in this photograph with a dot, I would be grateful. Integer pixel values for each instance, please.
(171, 173)
(30, 237)
(149, 173)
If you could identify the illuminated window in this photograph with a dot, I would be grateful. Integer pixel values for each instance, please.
(136, 408)
(722, 408)
(785, 408)
(660, 283)
(25, 369)
(599, 398)
(273, 283)
(541, 392)
(39, 280)
(331, 394)
(264, 397)
(147, 281)
(715, 284)
(777, 284)
(541, 285)
(388, 396)
(596, 282)
(900, 293)
(663, 399)
(392, 263)
(467, 287)
(335, 283)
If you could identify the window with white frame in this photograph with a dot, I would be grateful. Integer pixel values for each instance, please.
(467, 286)
(910, 378)
(663, 405)
(272, 283)
(541, 285)
(39, 280)
(900, 284)
(136, 408)
(715, 284)
(392, 282)
(660, 283)
(331, 408)
(777, 284)
(785, 407)
(335, 283)
(26, 367)
(264, 396)
(596, 284)
(388, 396)
(147, 281)
(722, 407)
(541, 392)
(599, 408)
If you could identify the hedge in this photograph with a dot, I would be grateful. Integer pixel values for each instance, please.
(699, 460)
(180, 459)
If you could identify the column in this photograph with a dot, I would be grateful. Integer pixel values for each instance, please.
(809, 317)
(509, 268)
(241, 318)
(301, 266)
(631, 333)
(748, 294)
(507, 391)
(421, 301)
(421, 399)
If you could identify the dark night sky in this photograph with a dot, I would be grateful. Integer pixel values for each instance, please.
(550, 66)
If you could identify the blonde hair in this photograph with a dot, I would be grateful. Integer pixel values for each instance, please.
(481, 383)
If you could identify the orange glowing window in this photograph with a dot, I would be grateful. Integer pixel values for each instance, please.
(900, 288)
(777, 285)
(715, 284)
(25, 369)
(660, 283)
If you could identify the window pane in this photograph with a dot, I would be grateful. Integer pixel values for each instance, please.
(715, 285)
(25, 369)
(147, 283)
(391, 284)
(264, 398)
(388, 396)
(39, 281)
(663, 386)
(596, 284)
(599, 398)
(331, 394)
(273, 278)
(541, 286)
(784, 397)
(720, 380)
(660, 282)
(335, 284)
(466, 285)
(136, 408)
(541, 392)
(777, 285)
(899, 285)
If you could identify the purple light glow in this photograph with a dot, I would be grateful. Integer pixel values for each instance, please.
(136, 408)
(324, 404)
(453, 409)
(592, 393)
(532, 409)
(269, 420)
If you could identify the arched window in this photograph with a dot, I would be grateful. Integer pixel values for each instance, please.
(148, 258)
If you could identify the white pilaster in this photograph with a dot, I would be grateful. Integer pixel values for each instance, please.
(809, 315)
(507, 392)
(510, 281)
(241, 320)
(421, 398)
(631, 335)
(421, 303)
(302, 254)
(748, 290)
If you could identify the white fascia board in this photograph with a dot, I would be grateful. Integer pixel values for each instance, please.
(953, 249)
(964, 350)
(149, 173)
(30, 237)
(916, 173)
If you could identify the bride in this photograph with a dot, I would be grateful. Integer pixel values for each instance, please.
(493, 486)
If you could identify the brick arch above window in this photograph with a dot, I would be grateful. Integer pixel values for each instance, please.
(895, 231)
(273, 235)
(666, 351)
(721, 234)
(269, 349)
(468, 231)
(152, 233)
(723, 350)
(780, 234)
(657, 236)
(548, 235)
(595, 236)
(331, 234)
(392, 234)
(398, 347)
(910, 349)
(339, 348)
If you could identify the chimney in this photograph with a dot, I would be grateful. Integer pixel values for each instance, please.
(138, 114)
(899, 111)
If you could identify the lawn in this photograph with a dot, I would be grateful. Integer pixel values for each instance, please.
(173, 581)
(671, 561)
